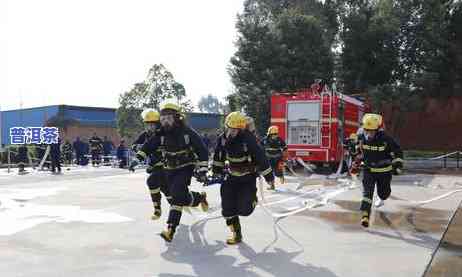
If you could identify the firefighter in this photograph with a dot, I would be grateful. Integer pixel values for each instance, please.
(245, 160)
(156, 180)
(182, 148)
(96, 146)
(352, 147)
(67, 151)
(381, 156)
(22, 159)
(276, 151)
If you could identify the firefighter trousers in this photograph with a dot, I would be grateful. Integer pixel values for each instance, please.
(278, 171)
(55, 164)
(178, 181)
(238, 196)
(370, 180)
(156, 183)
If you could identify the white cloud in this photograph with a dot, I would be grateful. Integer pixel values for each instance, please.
(87, 52)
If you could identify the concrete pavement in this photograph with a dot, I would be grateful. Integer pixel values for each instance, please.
(95, 222)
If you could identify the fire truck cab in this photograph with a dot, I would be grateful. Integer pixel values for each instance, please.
(314, 123)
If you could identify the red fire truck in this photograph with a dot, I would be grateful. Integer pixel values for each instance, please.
(315, 121)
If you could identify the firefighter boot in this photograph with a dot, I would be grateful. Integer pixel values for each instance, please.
(236, 235)
(271, 186)
(365, 219)
(204, 203)
(157, 211)
(167, 235)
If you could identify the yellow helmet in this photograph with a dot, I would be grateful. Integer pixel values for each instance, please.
(236, 120)
(372, 121)
(273, 130)
(150, 115)
(170, 106)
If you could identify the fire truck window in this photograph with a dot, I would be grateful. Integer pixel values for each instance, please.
(303, 123)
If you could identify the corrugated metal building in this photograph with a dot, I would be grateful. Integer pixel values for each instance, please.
(84, 121)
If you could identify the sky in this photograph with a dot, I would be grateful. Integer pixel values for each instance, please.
(88, 52)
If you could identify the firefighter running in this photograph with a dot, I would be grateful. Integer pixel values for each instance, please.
(381, 156)
(276, 151)
(238, 147)
(156, 180)
(182, 148)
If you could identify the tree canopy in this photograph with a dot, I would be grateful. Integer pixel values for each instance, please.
(158, 86)
(390, 50)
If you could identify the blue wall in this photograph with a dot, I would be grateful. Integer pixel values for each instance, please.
(86, 116)
(34, 117)
(200, 121)
(91, 116)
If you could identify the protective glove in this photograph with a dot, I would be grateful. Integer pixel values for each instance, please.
(397, 168)
(201, 174)
(149, 169)
(133, 164)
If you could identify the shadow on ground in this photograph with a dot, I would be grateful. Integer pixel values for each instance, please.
(192, 248)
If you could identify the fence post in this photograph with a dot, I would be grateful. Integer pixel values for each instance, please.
(458, 158)
(444, 162)
(128, 156)
(9, 159)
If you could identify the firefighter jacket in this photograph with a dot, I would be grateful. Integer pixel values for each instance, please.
(274, 147)
(142, 138)
(96, 143)
(380, 153)
(243, 155)
(180, 147)
(155, 158)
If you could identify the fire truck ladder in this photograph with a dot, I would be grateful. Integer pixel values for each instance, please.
(326, 117)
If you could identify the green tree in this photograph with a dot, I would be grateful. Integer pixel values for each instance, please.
(371, 48)
(158, 86)
(282, 46)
